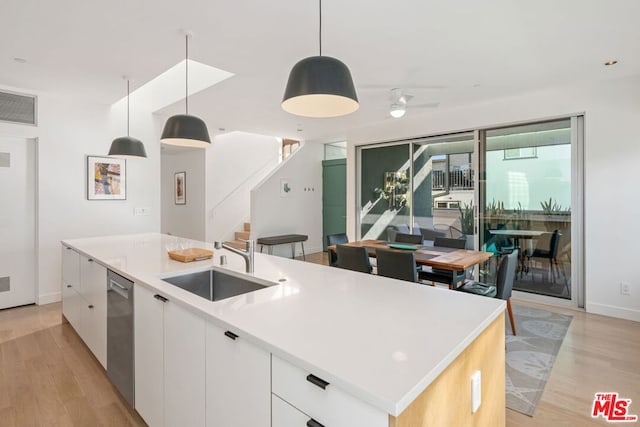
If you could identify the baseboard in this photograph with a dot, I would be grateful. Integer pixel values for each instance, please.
(613, 311)
(49, 298)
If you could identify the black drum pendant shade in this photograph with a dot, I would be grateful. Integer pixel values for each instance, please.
(127, 146)
(320, 86)
(185, 130)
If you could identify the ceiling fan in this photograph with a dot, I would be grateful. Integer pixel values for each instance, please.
(399, 101)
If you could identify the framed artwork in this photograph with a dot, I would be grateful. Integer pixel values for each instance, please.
(180, 188)
(106, 178)
(285, 187)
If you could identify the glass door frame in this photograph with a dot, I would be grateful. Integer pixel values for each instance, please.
(577, 207)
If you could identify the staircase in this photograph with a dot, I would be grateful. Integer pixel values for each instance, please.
(240, 236)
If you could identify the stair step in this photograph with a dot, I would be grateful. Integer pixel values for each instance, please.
(247, 226)
(242, 235)
(237, 244)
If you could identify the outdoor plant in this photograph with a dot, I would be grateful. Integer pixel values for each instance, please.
(495, 208)
(552, 207)
(466, 219)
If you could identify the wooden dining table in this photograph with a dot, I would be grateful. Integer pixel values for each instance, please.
(433, 256)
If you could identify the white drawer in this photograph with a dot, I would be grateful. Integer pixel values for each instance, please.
(285, 415)
(329, 406)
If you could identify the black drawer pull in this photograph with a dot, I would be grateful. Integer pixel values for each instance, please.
(90, 306)
(90, 259)
(160, 297)
(69, 286)
(231, 335)
(317, 381)
(314, 423)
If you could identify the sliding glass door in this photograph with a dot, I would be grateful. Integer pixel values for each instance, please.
(526, 202)
(500, 189)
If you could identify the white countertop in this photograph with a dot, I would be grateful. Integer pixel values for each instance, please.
(381, 340)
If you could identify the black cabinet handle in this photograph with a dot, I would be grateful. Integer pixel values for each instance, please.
(67, 248)
(314, 423)
(90, 259)
(317, 381)
(160, 297)
(90, 305)
(68, 286)
(231, 335)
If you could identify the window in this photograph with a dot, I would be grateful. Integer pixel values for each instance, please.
(520, 153)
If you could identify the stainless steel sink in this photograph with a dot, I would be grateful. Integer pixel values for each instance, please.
(214, 285)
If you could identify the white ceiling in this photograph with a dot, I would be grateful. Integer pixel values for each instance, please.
(475, 50)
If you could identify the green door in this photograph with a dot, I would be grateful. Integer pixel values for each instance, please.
(334, 198)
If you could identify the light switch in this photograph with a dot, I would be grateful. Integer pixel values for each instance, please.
(476, 391)
(141, 211)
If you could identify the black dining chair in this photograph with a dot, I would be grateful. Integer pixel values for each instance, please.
(397, 264)
(441, 275)
(504, 284)
(354, 258)
(408, 238)
(551, 254)
(332, 240)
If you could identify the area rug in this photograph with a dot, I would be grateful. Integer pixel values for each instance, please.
(531, 354)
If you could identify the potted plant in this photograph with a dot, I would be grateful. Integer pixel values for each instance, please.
(467, 223)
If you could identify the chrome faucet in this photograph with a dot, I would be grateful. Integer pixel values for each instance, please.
(247, 254)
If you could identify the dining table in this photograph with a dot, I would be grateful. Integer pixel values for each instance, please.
(433, 256)
(517, 235)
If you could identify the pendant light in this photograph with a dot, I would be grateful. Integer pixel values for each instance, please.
(183, 129)
(127, 146)
(320, 86)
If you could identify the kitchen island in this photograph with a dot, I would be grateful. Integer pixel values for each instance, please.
(320, 345)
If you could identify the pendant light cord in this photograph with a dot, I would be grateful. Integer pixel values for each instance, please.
(127, 107)
(320, 27)
(186, 74)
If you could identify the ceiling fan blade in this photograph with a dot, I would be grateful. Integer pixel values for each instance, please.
(429, 105)
(408, 87)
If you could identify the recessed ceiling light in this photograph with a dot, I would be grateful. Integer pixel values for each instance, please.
(20, 60)
(611, 62)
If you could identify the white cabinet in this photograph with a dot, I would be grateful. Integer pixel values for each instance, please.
(169, 361)
(84, 300)
(71, 302)
(238, 377)
(285, 415)
(94, 312)
(320, 400)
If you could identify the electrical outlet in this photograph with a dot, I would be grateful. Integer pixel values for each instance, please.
(625, 288)
(476, 391)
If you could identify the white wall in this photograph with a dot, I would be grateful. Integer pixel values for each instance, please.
(67, 131)
(235, 163)
(300, 211)
(612, 150)
(186, 220)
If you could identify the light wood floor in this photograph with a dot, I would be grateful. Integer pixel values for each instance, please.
(49, 378)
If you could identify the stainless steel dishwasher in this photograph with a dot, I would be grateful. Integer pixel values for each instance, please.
(120, 334)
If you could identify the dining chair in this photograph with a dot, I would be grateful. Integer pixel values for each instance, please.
(503, 287)
(332, 240)
(397, 264)
(551, 254)
(353, 258)
(441, 275)
(408, 238)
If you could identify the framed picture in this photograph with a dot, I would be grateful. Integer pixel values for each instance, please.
(180, 188)
(285, 187)
(106, 178)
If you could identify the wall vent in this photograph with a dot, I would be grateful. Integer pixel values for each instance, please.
(5, 160)
(18, 108)
(5, 284)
